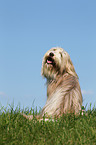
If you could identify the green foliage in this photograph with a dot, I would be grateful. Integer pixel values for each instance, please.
(69, 129)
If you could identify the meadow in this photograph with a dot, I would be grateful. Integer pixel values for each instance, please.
(70, 129)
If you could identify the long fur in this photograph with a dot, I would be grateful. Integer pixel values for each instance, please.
(63, 89)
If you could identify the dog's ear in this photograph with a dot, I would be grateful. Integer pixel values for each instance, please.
(70, 68)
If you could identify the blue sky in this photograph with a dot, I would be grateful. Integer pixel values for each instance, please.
(28, 29)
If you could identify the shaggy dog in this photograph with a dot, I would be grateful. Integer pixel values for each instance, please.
(63, 89)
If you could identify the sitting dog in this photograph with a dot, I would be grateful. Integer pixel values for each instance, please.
(63, 89)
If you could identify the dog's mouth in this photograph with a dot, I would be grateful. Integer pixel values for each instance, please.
(50, 60)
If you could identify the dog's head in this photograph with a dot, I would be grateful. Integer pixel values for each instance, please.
(56, 62)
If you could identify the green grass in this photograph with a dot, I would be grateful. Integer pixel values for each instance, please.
(69, 129)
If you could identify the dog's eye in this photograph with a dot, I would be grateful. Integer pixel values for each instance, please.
(60, 54)
(54, 49)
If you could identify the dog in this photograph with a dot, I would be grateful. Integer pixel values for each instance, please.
(63, 89)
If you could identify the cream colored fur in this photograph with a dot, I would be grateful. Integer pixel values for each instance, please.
(63, 89)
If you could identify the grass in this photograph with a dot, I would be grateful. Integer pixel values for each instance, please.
(67, 130)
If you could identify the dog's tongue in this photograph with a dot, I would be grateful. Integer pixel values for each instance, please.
(49, 61)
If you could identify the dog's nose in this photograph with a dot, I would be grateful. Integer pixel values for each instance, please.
(51, 54)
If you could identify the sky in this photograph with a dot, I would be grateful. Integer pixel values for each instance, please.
(30, 28)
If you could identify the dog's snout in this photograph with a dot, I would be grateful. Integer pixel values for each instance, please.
(51, 54)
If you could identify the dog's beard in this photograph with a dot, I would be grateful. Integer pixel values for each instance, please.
(51, 67)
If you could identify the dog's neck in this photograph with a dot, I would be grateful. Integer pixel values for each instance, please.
(53, 84)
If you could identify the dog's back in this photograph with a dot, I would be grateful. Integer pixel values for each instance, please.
(64, 96)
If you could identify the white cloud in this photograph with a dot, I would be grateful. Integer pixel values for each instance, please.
(2, 94)
(88, 92)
